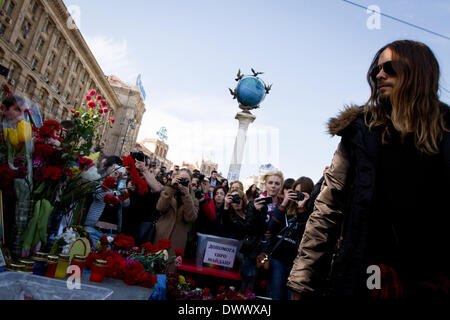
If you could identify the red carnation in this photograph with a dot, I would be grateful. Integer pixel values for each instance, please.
(77, 113)
(46, 132)
(100, 111)
(43, 150)
(111, 200)
(85, 163)
(72, 110)
(127, 161)
(92, 92)
(111, 120)
(88, 98)
(179, 252)
(103, 103)
(163, 244)
(53, 173)
(104, 241)
(263, 284)
(124, 196)
(124, 242)
(105, 110)
(7, 180)
(148, 248)
(92, 104)
(99, 97)
(108, 183)
(206, 292)
(52, 123)
(148, 280)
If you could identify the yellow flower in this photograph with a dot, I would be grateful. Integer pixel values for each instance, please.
(24, 131)
(75, 170)
(181, 280)
(11, 135)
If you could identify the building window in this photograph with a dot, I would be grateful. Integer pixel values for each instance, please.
(34, 63)
(2, 29)
(67, 96)
(40, 45)
(26, 26)
(19, 47)
(10, 8)
(34, 7)
(58, 42)
(51, 61)
(43, 95)
(71, 81)
(47, 26)
(58, 86)
(28, 83)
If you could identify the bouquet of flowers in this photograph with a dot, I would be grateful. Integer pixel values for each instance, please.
(50, 171)
(65, 240)
(135, 266)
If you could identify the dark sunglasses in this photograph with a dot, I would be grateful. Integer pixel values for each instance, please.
(387, 67)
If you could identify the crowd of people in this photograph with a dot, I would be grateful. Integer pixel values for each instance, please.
(382, 202)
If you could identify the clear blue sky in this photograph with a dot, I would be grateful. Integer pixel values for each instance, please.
(316, 54)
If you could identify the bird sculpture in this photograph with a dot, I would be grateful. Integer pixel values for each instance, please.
(267, 88)
(255, 74)
(233, 93)
(239, 75)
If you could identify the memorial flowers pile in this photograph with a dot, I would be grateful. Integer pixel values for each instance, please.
(134, 265)
(49, 169)
(181, 288)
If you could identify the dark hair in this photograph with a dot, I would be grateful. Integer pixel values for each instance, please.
(288, 184)
(306, 183)
(214, 171)
(112, 160)
(217, 189)
(8, 102)
(67, 124)
(414, 103)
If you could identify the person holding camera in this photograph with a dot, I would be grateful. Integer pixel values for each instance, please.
(259, 211)
(287, 225)
(106, 219)
(178, 207)
(139, 219)
(210, 220)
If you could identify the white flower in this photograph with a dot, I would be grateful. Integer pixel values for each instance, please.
(54, 142)
(110, 239)
(91, 174)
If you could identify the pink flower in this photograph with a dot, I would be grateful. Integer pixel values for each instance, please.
(92, 93)
(88, 98)
(72, 110)
(105, 110)
(100, 111)
(77, 113)
(178, 261)
(92, 104)
(103, 103)
(111, 120)
(99, 97)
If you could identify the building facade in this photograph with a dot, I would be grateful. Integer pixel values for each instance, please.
(157, 150)
(122, 139)
(50, 63)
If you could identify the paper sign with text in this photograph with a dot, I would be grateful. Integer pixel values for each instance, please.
(219, 254)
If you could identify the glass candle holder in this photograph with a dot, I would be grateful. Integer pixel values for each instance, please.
(52, 262)
(40, 264)
(78, 261)
(98, 271)
(29, 265)
(63, 264)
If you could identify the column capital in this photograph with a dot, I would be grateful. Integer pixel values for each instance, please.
(244, 117)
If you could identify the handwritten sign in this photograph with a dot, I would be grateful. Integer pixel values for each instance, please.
(219, 254)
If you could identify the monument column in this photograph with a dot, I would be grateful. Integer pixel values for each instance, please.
(244, 118)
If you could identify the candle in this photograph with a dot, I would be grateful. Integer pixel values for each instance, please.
(63, 264)
(40, 264)
(98, 271)
(52, 262)
(79, 261)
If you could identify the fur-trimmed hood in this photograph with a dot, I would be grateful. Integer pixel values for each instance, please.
(344, 119)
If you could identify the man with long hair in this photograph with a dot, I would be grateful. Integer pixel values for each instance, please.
(379, 225)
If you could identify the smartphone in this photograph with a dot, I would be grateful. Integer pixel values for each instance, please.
(267, 200)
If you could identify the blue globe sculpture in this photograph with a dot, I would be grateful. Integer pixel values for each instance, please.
(250, 91)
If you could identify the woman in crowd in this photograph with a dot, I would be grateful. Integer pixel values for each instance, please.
(210, 219)
(237, 185)
(235, 214)
(178, 207)
(258, 215)
(252, 192)
(106, 219)
(288, 183)
(140, 217)
(284, 242)
(224, 184)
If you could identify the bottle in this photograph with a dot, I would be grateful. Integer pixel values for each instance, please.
(79, 261)
(63, 264)
(52, 263)
(28, 265)
(40, 263)
(98, 271)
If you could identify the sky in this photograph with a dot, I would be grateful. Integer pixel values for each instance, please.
(316, 53)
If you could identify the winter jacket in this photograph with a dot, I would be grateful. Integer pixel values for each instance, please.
(331, 256)
(173, 223)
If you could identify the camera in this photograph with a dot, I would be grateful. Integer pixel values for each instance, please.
(300, 196)
(266, 200)
(139, 156)
(184, 182)
(198, 194)
(236, 198)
